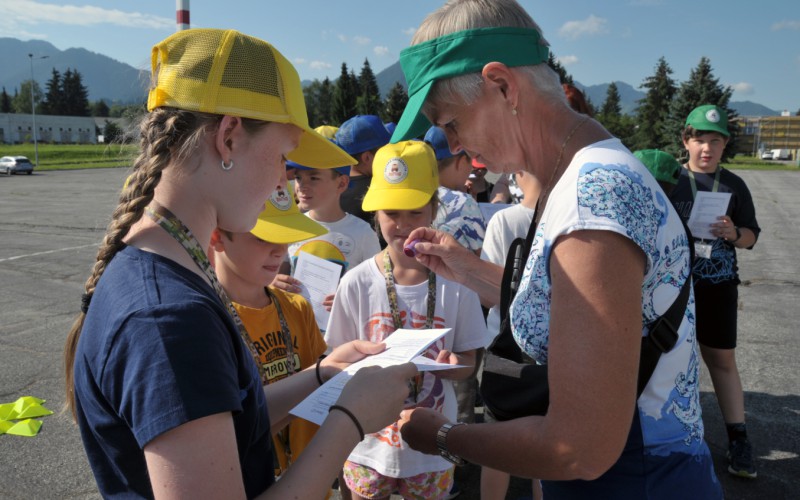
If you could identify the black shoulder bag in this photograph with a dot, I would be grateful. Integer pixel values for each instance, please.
(514, 386)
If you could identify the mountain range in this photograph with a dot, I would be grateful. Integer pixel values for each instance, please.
(596, 93)
(117, 82)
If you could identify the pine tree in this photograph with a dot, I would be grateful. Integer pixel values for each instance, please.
(396, 101)
(311, 94)
(610, 115)
(5, 102)
(53, 103)
(325, 102)
(21, 103)
(563, 76)
(701, 88)
(345, 95)
(653, 111)
(75, 95)
(100, 108)
(369, 98)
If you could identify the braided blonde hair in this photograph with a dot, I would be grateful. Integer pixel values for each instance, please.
(167, 135)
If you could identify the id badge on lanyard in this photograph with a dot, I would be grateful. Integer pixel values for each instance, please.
(702, 248)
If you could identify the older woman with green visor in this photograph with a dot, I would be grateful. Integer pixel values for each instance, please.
(608, 258)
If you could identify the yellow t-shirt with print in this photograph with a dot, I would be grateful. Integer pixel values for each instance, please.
(264, 329)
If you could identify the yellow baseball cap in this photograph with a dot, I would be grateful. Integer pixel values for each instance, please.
(228, 73)
(282, 222)
(404, 177)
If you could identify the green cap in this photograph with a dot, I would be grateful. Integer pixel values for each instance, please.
(709, 118)
(457, 54)
(663, 166)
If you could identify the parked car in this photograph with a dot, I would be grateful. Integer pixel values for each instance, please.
(781, 154)
(15, 165)
(766, 155)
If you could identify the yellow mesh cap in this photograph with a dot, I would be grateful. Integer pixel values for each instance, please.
(228, 73)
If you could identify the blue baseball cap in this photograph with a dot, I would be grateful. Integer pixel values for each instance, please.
(362, 133)
(342, 170)
(390, 127)
(438, 141)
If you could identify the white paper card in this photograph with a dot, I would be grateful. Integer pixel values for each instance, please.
(705, 211)
(401, 347)
(318, 279)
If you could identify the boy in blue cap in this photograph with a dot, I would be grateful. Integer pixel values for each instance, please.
(715, 275)
(361, 136)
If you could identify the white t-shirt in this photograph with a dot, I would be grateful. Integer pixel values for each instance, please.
(361, 311)
(503, 228)
(349, 242)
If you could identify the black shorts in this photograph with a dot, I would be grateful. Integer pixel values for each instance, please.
(716, 309)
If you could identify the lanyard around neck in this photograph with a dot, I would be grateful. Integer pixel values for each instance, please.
(287, 335)
(183, 235)
(391, 291)
(694, 183)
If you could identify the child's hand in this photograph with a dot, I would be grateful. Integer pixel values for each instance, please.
(376, 395)
(287, 283)
(328, 302)
(347, 354)
(466, 358)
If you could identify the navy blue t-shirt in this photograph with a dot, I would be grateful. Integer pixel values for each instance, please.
(158, 349)
(722, 266)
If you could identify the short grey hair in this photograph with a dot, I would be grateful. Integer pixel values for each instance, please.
(458, 15)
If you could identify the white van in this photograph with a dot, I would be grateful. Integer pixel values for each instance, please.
(780, 154)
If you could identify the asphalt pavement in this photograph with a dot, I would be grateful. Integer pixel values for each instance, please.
(51, 223)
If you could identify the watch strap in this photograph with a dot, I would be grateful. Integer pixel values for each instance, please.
(441, 443)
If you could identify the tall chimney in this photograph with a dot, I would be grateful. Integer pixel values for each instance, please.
(182, 14)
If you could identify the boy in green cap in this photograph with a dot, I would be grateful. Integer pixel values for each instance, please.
(664, 167)
(715, 271)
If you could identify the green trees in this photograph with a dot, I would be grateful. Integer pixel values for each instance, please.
(66, 95)
(652, 114)
(701, 88)
(396, 101)
(369, 99)
(610, 115)
(21, 103)
(345, 96)
(5, 102)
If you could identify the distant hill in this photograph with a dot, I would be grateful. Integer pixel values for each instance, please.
(596, 93)
(104, 77)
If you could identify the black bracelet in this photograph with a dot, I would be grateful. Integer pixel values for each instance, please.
(319, 375)
(352, 417)
(738, 234)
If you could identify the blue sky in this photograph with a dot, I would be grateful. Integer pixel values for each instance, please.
(753, 46)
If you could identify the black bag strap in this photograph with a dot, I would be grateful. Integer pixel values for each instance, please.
(663, 332)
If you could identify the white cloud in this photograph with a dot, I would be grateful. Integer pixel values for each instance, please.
(299, 60)
(590, 26)
(342, 38)
(380, 50)
(743, 88)
(409, 31)
(786, 25)
(27, 12)
(319, 65)
(567, 60)
(361, 40)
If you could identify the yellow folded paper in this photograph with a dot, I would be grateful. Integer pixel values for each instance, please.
(25, 408)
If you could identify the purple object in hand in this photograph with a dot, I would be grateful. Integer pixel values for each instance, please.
(410, 249)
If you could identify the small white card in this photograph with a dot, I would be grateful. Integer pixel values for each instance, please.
(318, 279)
(706, 210)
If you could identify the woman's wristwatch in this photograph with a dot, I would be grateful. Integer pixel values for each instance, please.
(441, 443)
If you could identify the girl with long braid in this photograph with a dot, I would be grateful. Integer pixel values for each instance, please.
(159, 369)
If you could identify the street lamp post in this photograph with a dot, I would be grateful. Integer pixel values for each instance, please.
(33, 111)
